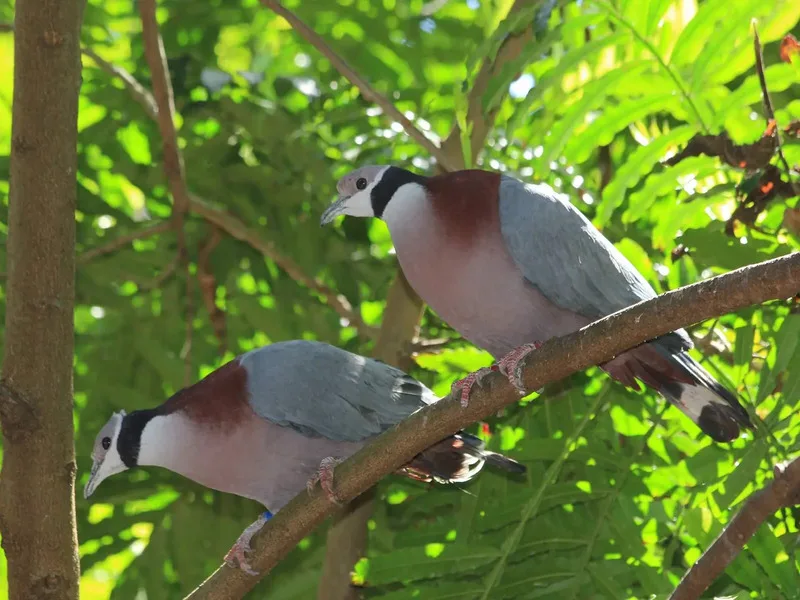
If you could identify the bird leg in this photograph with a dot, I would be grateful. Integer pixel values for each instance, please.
(510, 367)
(325, 477)
(470, 380)
(238, 553)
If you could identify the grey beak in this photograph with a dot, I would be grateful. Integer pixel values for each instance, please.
(333, 211)
(90, 486)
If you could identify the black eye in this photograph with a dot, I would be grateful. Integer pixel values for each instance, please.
(106, 443)
(361, 183)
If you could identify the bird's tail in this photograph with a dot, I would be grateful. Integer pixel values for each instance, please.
(455, 459)
(686, 384)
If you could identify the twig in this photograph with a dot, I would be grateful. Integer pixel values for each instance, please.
(137, 90)
(782, 492)
(432, 346)
(172, 158)
(158, 280)
(237, 229)
(120, 242)
(208, 288)
(371, 94)
(770, 112)
(556, 359)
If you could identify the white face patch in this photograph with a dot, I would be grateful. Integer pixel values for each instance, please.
(105, 457)
(353, 201)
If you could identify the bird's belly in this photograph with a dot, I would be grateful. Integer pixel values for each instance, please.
(258, 460)
(481, 293)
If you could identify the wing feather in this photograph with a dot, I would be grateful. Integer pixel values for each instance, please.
(320, 390)
(563, 255)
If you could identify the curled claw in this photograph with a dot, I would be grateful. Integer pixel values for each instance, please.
(465, 385)
(510, 364)
(237, 555)
(324, 476)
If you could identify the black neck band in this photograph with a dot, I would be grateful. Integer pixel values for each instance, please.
(393, 178)
(129, 441)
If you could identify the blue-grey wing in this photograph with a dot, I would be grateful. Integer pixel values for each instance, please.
(320, 390)
(563, 255)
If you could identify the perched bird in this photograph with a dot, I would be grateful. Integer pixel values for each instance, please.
(508, 264)
(277, 419)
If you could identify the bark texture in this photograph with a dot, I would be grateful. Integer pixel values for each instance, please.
(37, 484)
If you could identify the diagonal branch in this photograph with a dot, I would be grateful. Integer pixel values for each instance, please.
(558, 357)
(370, 93)
(237, 229)
(140, 93)
(782, 492)
(120, 242)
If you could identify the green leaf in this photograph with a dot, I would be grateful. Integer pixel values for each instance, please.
(593, 95)
(411, 564)
(603, 129)
(555, 75)
(638, 164)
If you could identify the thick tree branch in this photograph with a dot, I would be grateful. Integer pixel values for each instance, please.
(369, 93)
(37, 483)
(782, 492)
(558, 358)
(237, 229)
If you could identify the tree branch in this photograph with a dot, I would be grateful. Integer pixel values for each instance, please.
(37, 482)
(137, 90)
(768, 109)
(557, 358)
(120, 242)
(237, 229)
(782, 492)
(482, 122)
(369, 93)
(172, 158)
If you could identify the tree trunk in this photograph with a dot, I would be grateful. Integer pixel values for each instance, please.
(37, 495)
(347, 537)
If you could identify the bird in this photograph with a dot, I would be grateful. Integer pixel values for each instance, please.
(509, 264)
(277, 419)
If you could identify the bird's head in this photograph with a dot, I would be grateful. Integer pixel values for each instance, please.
(106, 459)
(356, 194)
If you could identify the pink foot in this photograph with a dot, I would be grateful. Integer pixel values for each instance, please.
(509, 364)
(465, 385)
(238, 553)
(324, 476)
